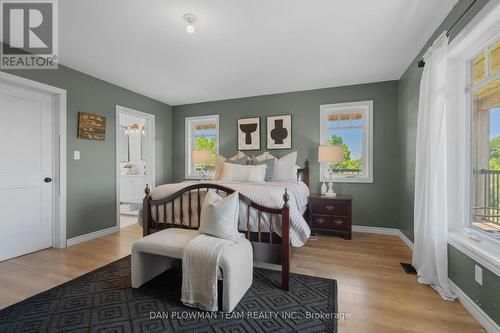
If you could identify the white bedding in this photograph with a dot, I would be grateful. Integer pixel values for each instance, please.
(268, 194)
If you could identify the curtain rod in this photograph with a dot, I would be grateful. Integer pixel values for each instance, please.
(421, 62)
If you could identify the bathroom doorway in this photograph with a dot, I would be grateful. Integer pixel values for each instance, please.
(135, 161)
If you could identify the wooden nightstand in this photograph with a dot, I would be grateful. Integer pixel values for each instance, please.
(332, 215)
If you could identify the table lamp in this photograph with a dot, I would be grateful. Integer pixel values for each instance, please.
(330, 154)
(203, 157)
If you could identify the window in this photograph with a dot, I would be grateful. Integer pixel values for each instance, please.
(349, 125)
(471, 126)
(202, 133)
(485, 98)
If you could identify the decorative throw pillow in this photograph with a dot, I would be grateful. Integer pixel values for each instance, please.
(241, 161)
(285, 168)
(243, 173)
(270, 166)
(263, 157)
(240, 157)
(219, 216)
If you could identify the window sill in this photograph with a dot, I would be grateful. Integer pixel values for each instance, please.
(193, 177)
(363, 180)
(198, 177)
(484, 250)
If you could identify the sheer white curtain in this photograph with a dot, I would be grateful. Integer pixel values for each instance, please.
(430, 254)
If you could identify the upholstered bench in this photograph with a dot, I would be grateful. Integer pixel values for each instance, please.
(154, 254)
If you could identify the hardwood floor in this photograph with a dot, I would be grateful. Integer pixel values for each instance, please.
(373, 288)
(31, 274)
(127, 220)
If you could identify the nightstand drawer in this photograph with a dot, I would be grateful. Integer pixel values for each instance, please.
(330, 215)
(328, 207)
(331, 222)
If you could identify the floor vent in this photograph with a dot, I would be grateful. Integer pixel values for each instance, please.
(409, 269)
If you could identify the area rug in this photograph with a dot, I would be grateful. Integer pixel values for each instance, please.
(103, 301)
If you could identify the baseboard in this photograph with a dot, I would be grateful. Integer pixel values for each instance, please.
(406, 240)
(474, 309)
(375, 230)
(384, 231)
(92, 235)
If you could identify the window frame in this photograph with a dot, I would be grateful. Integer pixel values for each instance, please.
(366, 107)
(470, 88)
(478, 33)
(189, 173)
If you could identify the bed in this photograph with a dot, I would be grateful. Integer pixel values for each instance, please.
(271, 213)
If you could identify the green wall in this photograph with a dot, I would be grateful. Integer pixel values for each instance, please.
(373, 203)
(460, 266)
(461, 272)
(91, 181)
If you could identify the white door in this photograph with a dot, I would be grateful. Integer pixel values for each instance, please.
(25, 171)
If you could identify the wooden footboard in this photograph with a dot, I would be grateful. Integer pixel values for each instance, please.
(267, 244)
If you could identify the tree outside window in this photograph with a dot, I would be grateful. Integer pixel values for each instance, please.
(348, 165)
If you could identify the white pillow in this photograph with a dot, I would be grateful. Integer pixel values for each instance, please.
(264, 157)
(238, 156)
(219, 162)
(244, 173)
(285, 168)
(219, 216)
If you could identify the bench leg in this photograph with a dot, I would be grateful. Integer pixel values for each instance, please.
(146, 266)
(237, 273)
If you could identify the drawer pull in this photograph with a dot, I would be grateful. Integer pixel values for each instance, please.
(329, 207)
(320, 220)
(339, 222)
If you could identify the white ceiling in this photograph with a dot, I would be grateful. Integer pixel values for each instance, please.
(243, 47)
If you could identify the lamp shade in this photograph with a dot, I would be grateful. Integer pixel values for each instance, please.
(329, 153)
(202, 156)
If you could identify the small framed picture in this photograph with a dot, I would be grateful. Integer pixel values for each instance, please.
(91, 126)
(249, 133)
(279, 132)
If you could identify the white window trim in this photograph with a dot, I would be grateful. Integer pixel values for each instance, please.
(481, 31)
(367, 108)
(481, 249)
(189, 141)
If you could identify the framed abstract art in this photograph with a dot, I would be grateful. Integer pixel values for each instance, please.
(249, 133)
(279, 132)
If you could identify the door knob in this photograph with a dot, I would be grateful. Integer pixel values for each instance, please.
(47, 179)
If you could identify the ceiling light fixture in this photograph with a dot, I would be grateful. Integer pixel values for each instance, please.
(190, 19)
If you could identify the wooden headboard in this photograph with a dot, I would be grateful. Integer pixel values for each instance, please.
(304, 173)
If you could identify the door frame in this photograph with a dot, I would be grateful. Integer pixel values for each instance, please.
(150, 123)
(59, 151)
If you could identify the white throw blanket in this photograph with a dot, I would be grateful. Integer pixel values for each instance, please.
(199, 271)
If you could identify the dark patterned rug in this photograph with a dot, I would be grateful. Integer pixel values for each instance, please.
(103, 301)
